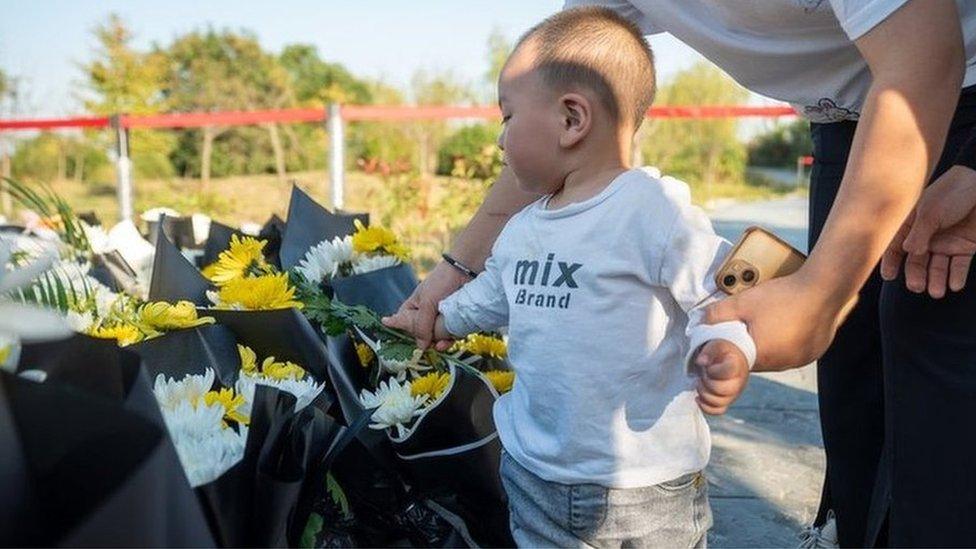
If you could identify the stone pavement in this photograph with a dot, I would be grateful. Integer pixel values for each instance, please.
(767, 462)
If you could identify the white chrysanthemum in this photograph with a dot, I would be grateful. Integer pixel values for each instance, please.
(326, 259)
(394, 403)
(305, 390)
(79, 322)
(400, 368)
(205, 459)
(369, 263)
(98, 238)
(171, 393)
(206, 448)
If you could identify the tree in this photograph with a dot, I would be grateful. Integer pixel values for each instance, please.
(435, 88)
(706, 151)
(215, 71)
(499, 48)
(123, 80)
(382, 146)
(782, 145)
(317, 82)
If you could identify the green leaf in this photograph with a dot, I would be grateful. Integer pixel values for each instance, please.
(312, 529)
(337, 494)
(49, 204)
(397, 350)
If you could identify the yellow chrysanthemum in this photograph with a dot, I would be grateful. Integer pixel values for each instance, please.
(244, 257)
(249, 359)
(281, 370)
(376, 238)
(124, 334)
(365, 354)
(483, 345)
(501, 380)
(230, 402)
(432, 385)
(258, 293)
(5, 351)
(209, 271)
(160, 315)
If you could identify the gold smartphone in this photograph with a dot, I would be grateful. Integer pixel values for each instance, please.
(758, 256)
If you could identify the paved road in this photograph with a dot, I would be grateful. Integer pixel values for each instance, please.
(767, 456)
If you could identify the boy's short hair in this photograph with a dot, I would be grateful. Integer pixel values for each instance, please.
(597, 48)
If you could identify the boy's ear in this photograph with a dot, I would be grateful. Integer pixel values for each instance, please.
(577, 119)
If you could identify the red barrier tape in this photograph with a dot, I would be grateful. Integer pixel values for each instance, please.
(351, 113)
(225, 118)
(53, 123)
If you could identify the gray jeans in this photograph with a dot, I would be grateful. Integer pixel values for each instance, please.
(548, 514)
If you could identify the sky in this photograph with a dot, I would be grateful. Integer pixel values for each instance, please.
(43, 42)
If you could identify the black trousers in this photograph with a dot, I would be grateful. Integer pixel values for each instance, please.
(897, 387)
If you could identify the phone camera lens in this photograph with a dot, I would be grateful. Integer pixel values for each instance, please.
(748, 275)
(728, 281)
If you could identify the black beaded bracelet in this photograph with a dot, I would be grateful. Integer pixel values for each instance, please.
(459, 266)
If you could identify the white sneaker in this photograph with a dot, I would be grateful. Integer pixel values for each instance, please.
(825, 536)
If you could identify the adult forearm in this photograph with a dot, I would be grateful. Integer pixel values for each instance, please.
(474, 243)
(898, 141)
(917, 62)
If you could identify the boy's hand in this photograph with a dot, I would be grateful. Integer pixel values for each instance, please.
(722, 375)
(408, 320)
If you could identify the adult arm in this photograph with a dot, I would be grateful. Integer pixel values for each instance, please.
(471, 247)
(916, 60)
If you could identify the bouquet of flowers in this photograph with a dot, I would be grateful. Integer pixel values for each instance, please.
(436, 411)
(95, 401)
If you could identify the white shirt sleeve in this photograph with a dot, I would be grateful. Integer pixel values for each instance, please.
(857, 17)
(624, 8)
(479, 305)
(692, 255)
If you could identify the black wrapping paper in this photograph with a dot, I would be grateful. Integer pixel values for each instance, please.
(218, 240)
(272, 232)
(179, 230)
(264, 500)
(308, 224)
(452, 452)
(174, 278)
(191, 351)
(101, 465)
(112, 270)
(383, 290)
(282, 333)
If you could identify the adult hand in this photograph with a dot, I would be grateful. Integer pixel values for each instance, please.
(937, 241)
(420, 309)
(790, 319)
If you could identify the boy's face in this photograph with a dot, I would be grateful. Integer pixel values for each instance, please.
(531, 124)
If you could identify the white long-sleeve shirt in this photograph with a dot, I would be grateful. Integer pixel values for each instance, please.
(602, 300)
